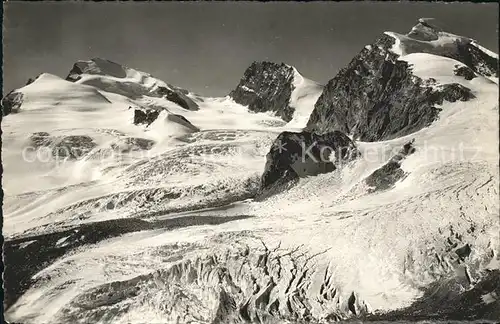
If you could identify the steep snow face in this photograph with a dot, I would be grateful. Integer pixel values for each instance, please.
(485, 50)
(49, 90)
(304, 95)
(442, 70)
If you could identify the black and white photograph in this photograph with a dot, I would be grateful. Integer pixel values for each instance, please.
(250, 162)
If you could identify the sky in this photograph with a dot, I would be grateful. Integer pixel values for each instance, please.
(206, 46)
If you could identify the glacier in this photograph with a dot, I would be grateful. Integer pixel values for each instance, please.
(170, 232)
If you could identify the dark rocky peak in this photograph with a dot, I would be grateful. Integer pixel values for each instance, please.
(425, 30)
(96, 66)
(377, 97)
(266, 86)
(295, 155)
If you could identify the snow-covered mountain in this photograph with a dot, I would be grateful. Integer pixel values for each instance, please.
(112, 77)
(395, 86)
(152, 204)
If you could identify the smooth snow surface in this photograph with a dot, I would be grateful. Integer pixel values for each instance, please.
(381, 247)
(304, 95)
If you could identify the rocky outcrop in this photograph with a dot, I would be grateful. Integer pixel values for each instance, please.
(266, 86)
(96, 66)
(146, 116)
(376, 97)
(11, 103)
(386, 176)
(464, 71)
(451, 92)
(31, 80)
(131, 144)
(476, 59)
(72, 147)
(295, 155)
(40, 139)
(179, 97)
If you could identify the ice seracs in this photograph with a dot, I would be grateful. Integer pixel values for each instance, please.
(304, 95)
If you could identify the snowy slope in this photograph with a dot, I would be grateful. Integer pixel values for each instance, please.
(427, 37)
(61, 108)
(102, 73)
(329, 248)
(304, 95)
